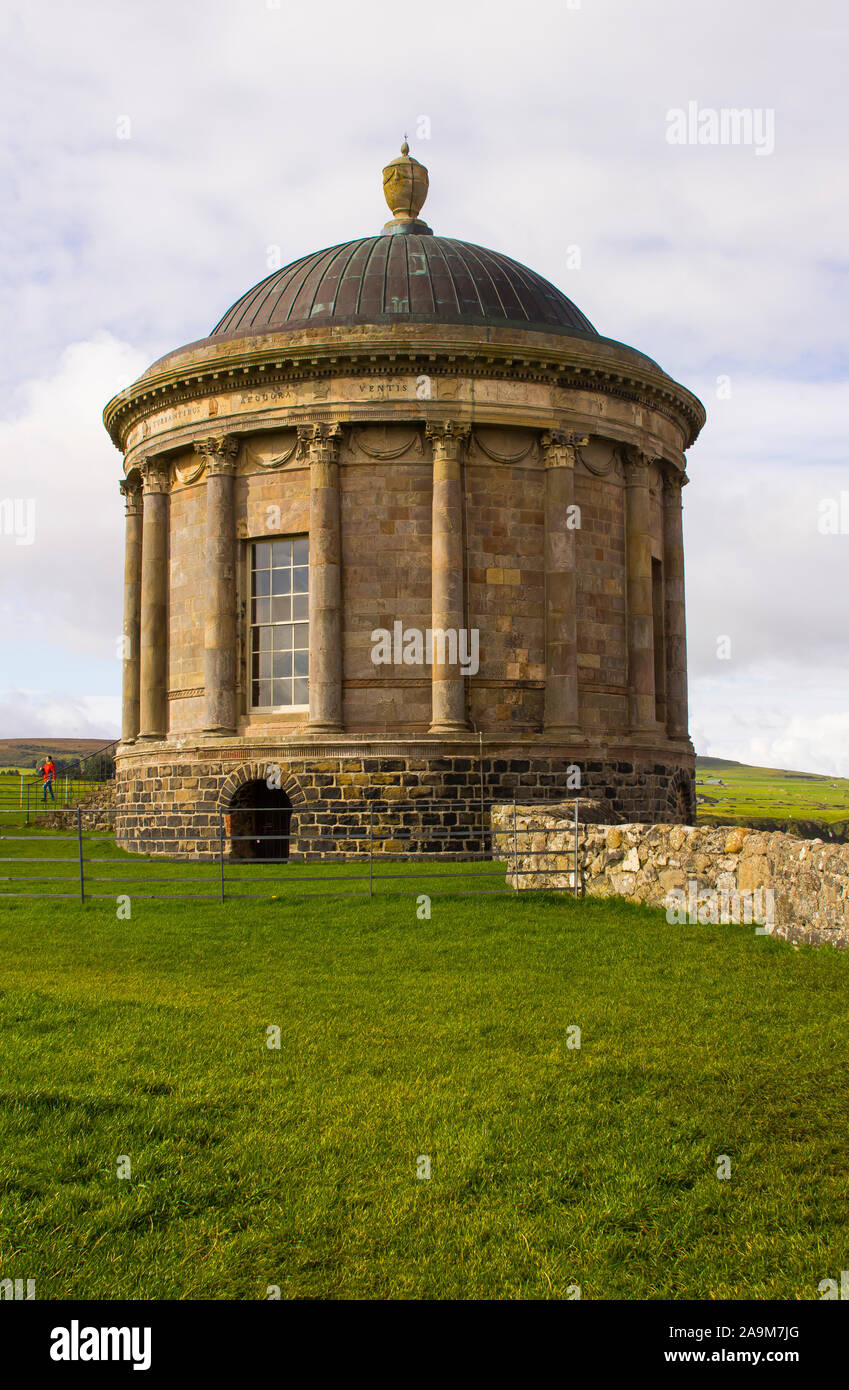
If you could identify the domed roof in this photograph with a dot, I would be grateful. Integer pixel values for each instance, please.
(411, 278)
(404, 275)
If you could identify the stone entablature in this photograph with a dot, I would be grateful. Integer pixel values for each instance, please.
(512, 377)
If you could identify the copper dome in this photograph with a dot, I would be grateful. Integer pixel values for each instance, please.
(404, 279)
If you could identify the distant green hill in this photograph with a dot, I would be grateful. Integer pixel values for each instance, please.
(28, 752)
(809, 804)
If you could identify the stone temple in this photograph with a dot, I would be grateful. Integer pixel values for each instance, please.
(404, 531)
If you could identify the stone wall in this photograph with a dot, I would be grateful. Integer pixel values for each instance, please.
(798, 888)
(98, 806)
(170, 804)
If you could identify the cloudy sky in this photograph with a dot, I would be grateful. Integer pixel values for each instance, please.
(155, 155)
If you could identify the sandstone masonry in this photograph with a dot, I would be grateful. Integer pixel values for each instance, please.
(179, 804)
(648, 863)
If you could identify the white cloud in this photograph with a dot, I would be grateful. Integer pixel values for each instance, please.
(31, 714)
(63, 592)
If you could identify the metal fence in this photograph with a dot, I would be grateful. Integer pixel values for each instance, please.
(89, 865)
(77, 780)
(68, 791)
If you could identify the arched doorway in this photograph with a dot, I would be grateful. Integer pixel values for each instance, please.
(259, 822)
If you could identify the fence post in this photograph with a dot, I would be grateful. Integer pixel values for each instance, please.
(371, 850)
(80, 848)
(221, 853)
(515, 850)
(483, 822)
(22, 791)
(576, 847)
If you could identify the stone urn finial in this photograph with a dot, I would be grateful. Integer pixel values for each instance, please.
(405, 185)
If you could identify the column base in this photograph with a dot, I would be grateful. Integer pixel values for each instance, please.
(450, 726)
(151, 738)
(222, 729)
(325, 727)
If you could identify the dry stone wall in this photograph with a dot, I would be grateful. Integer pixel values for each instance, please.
(796, 889)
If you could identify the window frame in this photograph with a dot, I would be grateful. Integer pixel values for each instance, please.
(251, 627)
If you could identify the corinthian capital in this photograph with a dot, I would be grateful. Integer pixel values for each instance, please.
(156, 476)
(559, 447)
(320, 442)
(131, 491)
(637, 462)
(448, 440)
(674, 481)
(219, 452)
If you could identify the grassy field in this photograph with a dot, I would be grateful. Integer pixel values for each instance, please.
(763, 794)
(400, 1038)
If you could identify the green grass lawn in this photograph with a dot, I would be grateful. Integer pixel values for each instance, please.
(10, 785)
(763, 793)
(399, 1037)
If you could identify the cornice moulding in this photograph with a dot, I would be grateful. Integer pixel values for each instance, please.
(612, 369)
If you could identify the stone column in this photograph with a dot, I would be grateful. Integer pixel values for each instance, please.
(132, 494)
(448, 695)
(640, 614)
(153, 716)
(320, 443)
(219, 630)
(561, 584)
(674, 610)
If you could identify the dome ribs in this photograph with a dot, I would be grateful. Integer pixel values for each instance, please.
(445, 296)
(336, 275)
(348, 294)
(276, 289)
(509, 297)
(370, 298)
(396, 283)
(236, 314)
(561, 308)
(491, 301)
(419, 280)
(468, 291)
(304, 300)
(404, 276)
(281, 309)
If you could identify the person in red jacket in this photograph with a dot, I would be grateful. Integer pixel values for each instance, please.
(48, 772)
